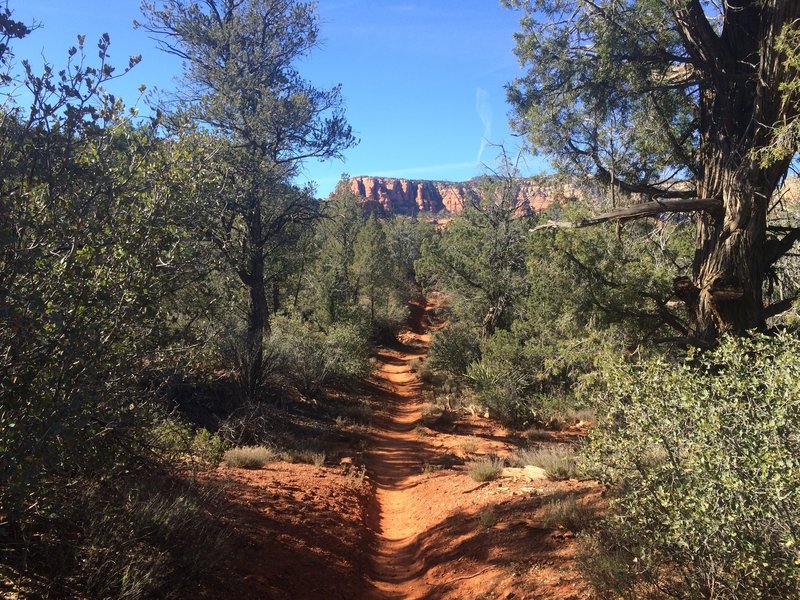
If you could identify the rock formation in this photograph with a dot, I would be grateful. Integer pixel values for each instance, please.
(391, 196)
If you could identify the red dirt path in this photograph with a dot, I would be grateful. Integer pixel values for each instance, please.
(411, 529)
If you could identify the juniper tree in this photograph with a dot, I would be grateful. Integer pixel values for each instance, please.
(240, 81)
(372, 263)
(674, 100)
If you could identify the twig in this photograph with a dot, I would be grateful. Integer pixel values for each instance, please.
(477, 487)
(462, 578)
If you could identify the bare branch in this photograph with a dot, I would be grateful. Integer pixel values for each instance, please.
(638, 211)
(777, 308)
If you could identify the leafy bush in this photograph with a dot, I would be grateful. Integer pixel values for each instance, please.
(454, 348)
(349, 350)
(704, 459)
(249, 457)
(176, 441)
(310, 357)
(485, 469)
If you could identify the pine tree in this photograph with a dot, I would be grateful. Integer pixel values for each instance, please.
(373, 264)
(675, 100)
(241, 82)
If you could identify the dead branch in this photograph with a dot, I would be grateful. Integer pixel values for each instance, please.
(637, 211)
(481, 572)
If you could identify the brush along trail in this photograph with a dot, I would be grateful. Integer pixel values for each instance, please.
(417, 526)
(436, 532)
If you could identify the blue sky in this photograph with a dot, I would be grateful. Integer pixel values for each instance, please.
(422, 80)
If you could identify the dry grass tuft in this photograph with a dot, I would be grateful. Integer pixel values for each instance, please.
(249, 457)
(567, 513)
(559, 463)
(485, 469)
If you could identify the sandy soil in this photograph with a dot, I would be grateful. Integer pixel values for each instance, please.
(429, 542)
(410, 528)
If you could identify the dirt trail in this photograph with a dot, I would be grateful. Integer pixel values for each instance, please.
(427, 543)
(419, 527)
(394, 459)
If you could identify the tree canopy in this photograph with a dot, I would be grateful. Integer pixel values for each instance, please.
(672, 99)
(241, 82)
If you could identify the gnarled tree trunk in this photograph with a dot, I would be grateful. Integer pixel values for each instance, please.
(258, 309)
(738, 109)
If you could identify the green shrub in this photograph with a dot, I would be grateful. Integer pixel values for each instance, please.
(176, 441)
(704, 459)
(502, 379)
(309, 357)
(485, 469)
(249, 457)
(348, 349)
(454, 348)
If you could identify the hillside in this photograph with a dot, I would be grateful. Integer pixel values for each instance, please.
(387, 196)
(393, 196)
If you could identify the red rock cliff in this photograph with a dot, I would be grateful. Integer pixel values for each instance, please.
(391, 196)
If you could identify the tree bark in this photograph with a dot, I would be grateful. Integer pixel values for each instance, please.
(258, 309)
(737, 110)
(728, 272)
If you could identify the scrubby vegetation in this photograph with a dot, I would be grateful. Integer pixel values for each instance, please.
(485, 469)
(568, 513)
(249, 457)
(170, 300)
(702, 462)
(533, 319)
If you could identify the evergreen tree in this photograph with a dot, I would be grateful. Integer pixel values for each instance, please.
(372, 263)
(241, 82)
(335, 282)
(674, 100)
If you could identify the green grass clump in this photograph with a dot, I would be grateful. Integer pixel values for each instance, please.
(487, 518)
(249, 457)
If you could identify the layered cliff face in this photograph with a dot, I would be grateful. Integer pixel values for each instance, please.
(409, 197)
(390, 196)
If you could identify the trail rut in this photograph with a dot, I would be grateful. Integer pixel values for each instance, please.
(396, 456)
